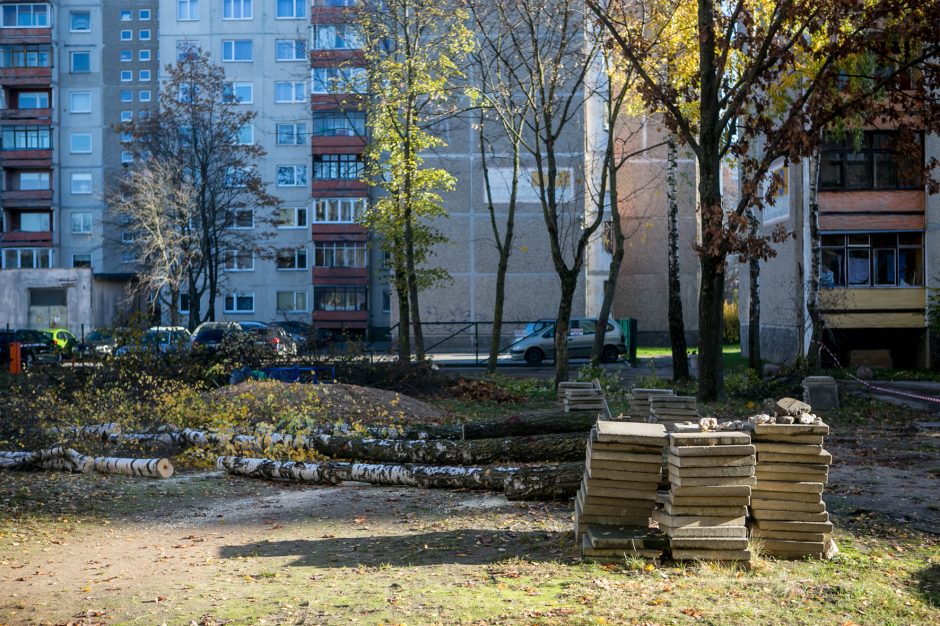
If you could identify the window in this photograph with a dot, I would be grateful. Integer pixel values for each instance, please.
(186, 49)
(80, 143)
(128, 258)
(81, 260)
(26, 138)
(127, 35)
(870, 162)
(126, 56)
(291, 9)
(236, 9)
(184, 303)
(292, 301)
(127, 137)
(126, 16)
(143, 15)
(339, 124)
(340, 254)
(336, 37)
(238, 260)
(127, 95)
(143, 34)
(336, 298)
(127, 76)
(291, 134)
(236, 50)
(127, 236)
(236, 177)
(245, 135)
(143, 55)
(34, 222)
(292, 217)
(337, 166)
(291, 175)
(290, 91)
(239, 93)
(80, 102)
(292, 259)
(80, 62)
(24, 16)
(239, 302)
(127, 156)
(143, 76)
(33, 181)
(187, 10)
(872, 260)
(27, 258)
(80, 184)
(33, 100)
(291, 50)
(127, 116)
(144, 95)
(241, 218)
(25, 55)
(339, 210)
(81, 223)
(339, 80)
(80, 21)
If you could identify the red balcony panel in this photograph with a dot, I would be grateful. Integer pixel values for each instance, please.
(338, 144)
(30, 159)
(15, 238)
(340, 276)
(340, 319)
(331, 15)
(331, 102)
(329, 231)
(336, 58)
(25, 35)
(336, 187)
(26, 198)
(43, 116)
(26, 76)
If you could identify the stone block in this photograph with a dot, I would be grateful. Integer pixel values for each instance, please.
(711, 491)
(712, 481)
(791, 429)
(760, 494)
(718, 472)
(791, 406)
(694, 521)
(789, 516)
(786, 535)
(711, 555)
(708, 543)
(709, 439)
(631, 433)
(711, 461)
(711, 450)
(791, 487)
(787, 505)
(694, 532)
(706, 511)
(794, 526)
(821, 392)
(823, 458)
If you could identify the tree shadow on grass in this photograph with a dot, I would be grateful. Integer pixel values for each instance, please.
(928, 583)
(463, 547)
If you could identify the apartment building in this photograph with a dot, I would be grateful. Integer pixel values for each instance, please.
(878, 227)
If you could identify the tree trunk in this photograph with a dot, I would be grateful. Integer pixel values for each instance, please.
(174, 307)
(195, 304)
(710, 373)
(557, 482)
(812, 303)
(680, 353)
(404, 319)
(559, 447)
(57, 458)
(569, 281)
(153, 468)
(753, 305)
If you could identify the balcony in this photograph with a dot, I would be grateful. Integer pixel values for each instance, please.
(19, 238)
(26, 76)
(341, 275)
(29, 115)
(26, 198)
(340, 319)
(338, 142)
(26, 159)
(25, 35)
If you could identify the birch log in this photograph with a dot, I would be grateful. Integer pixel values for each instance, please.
(152, 468)
(558, 482)
(58, 458)
(558, 447)
(104, 432)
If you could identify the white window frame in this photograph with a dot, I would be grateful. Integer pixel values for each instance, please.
(127, 35)
(83, 220)
(235, 86)
(81, 178)
(73, 137)
(73, 55)
(291, 46)
(234, 261)
(45, 22)
(126, 55)
(230, 47)
(72, 95)
(235, 295)
(294, 223)
(144, 34)
(143, 55)
(300, 138)
(144, 95)
(356, 207)
(251, 133)
(141, 15)
(233, 225)
(127, 116)
(294, 85)
(296, 266)
(127, 15)
(191, 12)
(294, 308)
(143, 76)
(126, 95)
(334, 80)
(298, 172)
(295, 14)
(229, 11)
(82, 256)
(72, 28)
(127, 156)
(127, 76)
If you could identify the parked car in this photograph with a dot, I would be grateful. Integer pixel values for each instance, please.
(533, 327)
(100, 342)
(209, 335)
(250, 326)
(276, 339)
(35, 346)
(163, 339)
(540, 346)
(300, 332)
(62, 338)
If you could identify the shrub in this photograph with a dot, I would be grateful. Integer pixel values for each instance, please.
(732, 326)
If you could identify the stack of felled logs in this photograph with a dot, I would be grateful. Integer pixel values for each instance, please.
(704, 510)
(789, 515)
(613, 506)
(68, 460)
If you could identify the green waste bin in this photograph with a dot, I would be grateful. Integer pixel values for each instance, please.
(628, 326)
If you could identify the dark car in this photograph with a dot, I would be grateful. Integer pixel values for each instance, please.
(276, 339)
(35, 346)
(300, 332)
(209, 335)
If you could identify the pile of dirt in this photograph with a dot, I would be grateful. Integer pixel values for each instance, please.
(272, 401)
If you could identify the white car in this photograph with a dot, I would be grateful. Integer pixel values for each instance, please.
(540, 346)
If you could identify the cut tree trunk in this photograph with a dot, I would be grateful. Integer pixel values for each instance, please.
(559, 447)
(57, 458)
(520, 483)
(152, 468)
(104, 432)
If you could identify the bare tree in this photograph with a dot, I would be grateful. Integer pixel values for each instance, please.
(193, 142)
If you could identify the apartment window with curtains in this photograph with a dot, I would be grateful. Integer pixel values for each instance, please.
(874, 160)
(883, 259)
(338, 166)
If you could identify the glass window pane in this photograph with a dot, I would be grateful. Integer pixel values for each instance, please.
(859, 268)
(911, 267)
(885, 266)
(832, 273)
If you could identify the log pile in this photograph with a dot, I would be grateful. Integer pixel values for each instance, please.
(710, 479)
(618, 492)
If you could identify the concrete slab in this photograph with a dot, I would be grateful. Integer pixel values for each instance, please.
(791, 487)
(711, 461)
(787, 505)
(711, 555)
(625, 476)
(631, 432)
(823, 458)
(695, 521)
(806, 477)
(710, 450)
(625, 466)
(794, 526)
(788, 448)
(630, 537)
(789, 516)
(694, 532)
(785, 535)
(712, 501)
(720, 471)
(627, 457)
(791, 429)
(815, 440)
(761, 494)
(711, 491)
(708, 543)
(712, 481)
(706, 511)
(709, 439)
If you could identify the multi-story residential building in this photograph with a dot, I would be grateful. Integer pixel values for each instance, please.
(877, 227)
